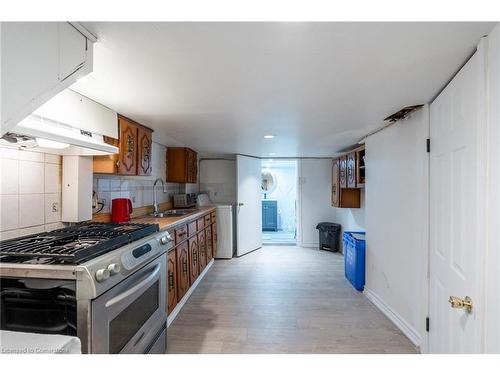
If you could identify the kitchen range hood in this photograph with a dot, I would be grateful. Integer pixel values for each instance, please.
(69, 124)
(36, 132)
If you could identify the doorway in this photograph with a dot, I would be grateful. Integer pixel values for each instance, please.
(279, 202)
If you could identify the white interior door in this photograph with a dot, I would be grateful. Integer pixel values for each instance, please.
(248, 204)
(457, 206)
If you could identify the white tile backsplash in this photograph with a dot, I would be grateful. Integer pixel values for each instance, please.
(7, 235)
(31, 230)
(31, 177)
(52, 208)
(136, 188)
(31, 210)
(9, 173)
(53, 159)
(9, 153)
(31, 156)
(30, 185)
(54, 226)
(9, 207)
(52, 178)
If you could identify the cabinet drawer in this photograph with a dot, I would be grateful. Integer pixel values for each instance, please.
(192, 228)
(201, 224)
(207, 220)
(213, 216)
(180, 234)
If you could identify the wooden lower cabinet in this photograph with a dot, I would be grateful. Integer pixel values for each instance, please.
(183, 280)
(194, 248)
(193, 259)
(171, 281)
(208, 234)
(214, 239)
(202, 250)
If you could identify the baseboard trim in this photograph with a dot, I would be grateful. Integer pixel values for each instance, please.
(397, 319)
(190, 291)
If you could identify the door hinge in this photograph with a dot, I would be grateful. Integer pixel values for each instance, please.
(427, 324)
(428, 145)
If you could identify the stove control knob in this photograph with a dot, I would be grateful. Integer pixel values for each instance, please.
(114, 268)
(165, 239)
(102, 275)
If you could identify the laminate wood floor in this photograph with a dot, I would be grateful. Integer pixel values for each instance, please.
(282, 299)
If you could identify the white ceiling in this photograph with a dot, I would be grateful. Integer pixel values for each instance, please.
(219, 87)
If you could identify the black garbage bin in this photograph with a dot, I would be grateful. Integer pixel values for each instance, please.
(329, 236)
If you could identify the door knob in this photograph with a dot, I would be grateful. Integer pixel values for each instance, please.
(240, 204)
(458, 303)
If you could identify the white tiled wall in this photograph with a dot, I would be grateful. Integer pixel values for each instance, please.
(30, 192)
(138, 189)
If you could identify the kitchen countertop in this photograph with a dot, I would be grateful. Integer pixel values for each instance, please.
(170, 222)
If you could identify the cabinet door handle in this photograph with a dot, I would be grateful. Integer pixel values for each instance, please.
(184, 267)
(170, 280)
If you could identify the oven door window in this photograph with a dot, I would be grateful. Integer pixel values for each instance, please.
(129, 321)
(38, 306)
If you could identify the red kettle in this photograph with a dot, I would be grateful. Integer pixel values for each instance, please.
(121, 208)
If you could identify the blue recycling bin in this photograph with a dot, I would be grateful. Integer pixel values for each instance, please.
(354, 258)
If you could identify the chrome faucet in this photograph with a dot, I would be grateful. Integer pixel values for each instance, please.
(155, 201)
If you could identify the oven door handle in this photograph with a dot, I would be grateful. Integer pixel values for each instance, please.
(135, 288)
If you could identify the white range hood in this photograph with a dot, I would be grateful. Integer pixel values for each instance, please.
(78, 141)
(68, 124)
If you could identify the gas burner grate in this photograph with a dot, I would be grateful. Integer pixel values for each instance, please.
(74, 244)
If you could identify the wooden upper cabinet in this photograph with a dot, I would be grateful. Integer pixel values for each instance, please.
(145, 143)
(351, 170)
(182, 165)
(135, 151)
(343, 172)
(348, 176)
(336, 183)
(360, 167)
(127, 160)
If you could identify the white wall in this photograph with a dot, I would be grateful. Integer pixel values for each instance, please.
(352, 219)
(396, 222)
(218, 179)
(492, 272)
(315, 177)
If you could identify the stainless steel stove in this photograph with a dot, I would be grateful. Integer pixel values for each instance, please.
(105, 283)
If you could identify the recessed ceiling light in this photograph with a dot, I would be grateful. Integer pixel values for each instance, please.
(269, 136)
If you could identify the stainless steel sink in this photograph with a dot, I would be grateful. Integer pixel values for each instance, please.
(173, 213)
